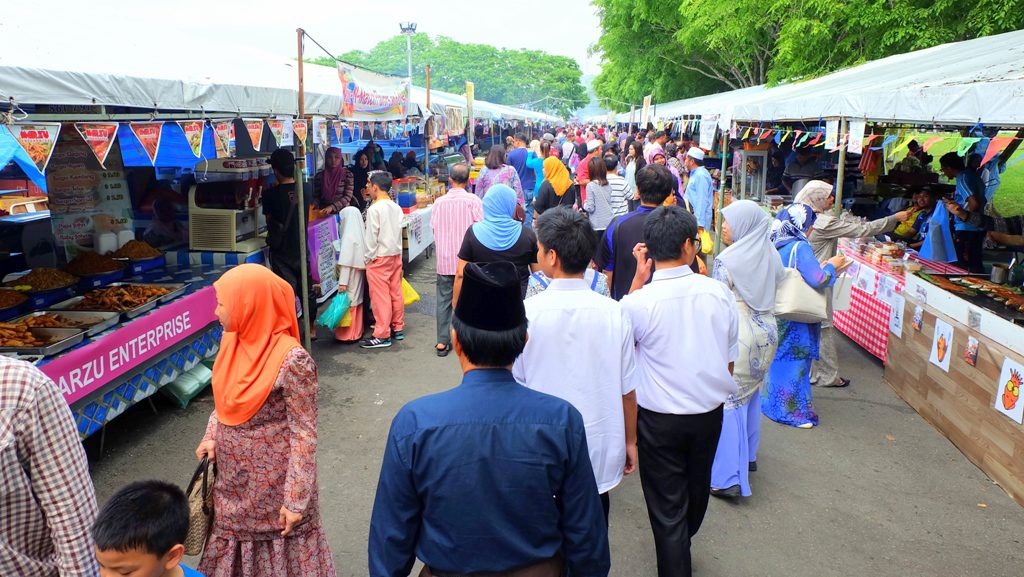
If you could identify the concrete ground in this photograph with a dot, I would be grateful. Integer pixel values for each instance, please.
(874, 490)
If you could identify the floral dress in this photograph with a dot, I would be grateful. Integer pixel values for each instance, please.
(263, 464)
(506, 175)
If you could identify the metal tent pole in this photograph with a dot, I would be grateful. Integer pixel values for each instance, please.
(721, 193)
(300, 160)
(841, 176)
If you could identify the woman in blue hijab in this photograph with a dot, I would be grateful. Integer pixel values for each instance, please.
(499, 237)
(786, 396)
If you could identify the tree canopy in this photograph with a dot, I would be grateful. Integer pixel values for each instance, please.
(684, 48)
(510, 77)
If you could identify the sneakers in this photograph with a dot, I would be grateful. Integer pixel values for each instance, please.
(398, 335)
(375, 343)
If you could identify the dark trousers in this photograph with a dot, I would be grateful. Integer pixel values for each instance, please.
(676, 453)
(970, 247)
(445, 288)
(606, 504)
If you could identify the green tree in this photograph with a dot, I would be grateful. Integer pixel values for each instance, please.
(684, 48)
(511, 77)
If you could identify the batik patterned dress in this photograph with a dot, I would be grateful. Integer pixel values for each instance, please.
(263, 464)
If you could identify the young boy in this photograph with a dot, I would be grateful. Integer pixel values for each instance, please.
(141, 531)
(384, 264)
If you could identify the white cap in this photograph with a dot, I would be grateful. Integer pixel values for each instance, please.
(593, 145)
(695, 153)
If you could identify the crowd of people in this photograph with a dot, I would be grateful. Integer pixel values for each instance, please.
(590, 243)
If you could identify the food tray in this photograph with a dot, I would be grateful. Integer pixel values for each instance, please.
(99, 280)
(177, 288)
(68, 339)
(141, 265)
(69, 305)
(103, 320)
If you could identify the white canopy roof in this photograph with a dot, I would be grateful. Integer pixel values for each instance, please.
(190, 76)
(960, 83)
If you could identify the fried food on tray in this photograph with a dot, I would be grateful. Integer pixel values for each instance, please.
(9, 298)
(44, 279)
(90, 264)
(136, 250)
(120, 298)
(45, 321)
(20, 336)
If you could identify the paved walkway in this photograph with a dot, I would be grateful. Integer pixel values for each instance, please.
(874, 490)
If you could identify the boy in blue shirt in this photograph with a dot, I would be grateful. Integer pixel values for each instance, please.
(141, 531)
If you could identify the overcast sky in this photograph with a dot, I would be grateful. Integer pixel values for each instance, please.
(340, 25)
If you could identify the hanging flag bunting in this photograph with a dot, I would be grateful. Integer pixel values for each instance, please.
(37, 140)
(224, 138)
(778, 137)
(338, 127)
(903, 144)
(276, 126)
(842, 142)
(817, 140)
(871, 138)
(149, 134)
(785, 137)
(321, 129)
(855, 136)
(300, 127)
(797, 140)
(965, 145)
(746, 133)
(932, 141)
(831, 134)
(194, 131)
(254, 126)
(767, 133)
(889, 140)
(100, 138)
(995, 146)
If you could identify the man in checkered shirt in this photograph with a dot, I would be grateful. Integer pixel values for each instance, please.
(48, 502)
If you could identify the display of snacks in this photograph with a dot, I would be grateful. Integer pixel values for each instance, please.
(20, 336)
(120, 298)
(9, 299)
(92, 264)
(136, 250)
(43, 279)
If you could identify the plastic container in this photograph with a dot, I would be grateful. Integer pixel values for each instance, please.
(106, 243)
(124, 237)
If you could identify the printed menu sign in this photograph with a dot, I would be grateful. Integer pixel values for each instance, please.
(300, 127)
(276, 129)
(254, 126)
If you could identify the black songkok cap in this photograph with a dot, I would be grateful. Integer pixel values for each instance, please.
(491, 297)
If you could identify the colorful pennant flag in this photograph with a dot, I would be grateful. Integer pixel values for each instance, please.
(301, 128)
(338, 128)
(995, 146)
(37, 140)
(932, 141)
(965, 145)
(746, 133)
(194, 131)
(224, 138)
(100, 138)
(276, 126)
(149, 134)
(254, 126)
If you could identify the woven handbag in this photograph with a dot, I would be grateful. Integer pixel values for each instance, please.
(200, 506)
(797, 301)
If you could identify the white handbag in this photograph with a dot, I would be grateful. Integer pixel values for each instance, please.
(841, 293)
(797, 301)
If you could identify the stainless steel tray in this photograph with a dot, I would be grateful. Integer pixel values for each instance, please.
(69, 305)
(67, 339)
(92, 322)
(177, 289)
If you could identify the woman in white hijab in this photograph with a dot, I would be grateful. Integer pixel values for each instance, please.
(352, 272)
(824, 239)
(752, 268)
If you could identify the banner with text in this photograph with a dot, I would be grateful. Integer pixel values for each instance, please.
(254, 126)
(320, 236)
(367, 95)
(100, 138)
(224, 138)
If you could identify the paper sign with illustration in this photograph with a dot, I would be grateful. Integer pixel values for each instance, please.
(1008, 401)
(918, 318)
(300, 127)
(254, 126)
(896, 316)
(971, 353)
(887, 289)
(866, 279)
(194, 130)
(942, 343)
(276, 129)
(149, 134)
(100, 138)
(38, 141)
(224, 138)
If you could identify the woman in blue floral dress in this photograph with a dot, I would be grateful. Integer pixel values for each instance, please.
(751, 267)
(786, 396)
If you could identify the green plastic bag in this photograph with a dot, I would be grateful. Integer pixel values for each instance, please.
(332, 316)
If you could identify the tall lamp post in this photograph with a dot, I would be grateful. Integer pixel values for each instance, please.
(408, 29)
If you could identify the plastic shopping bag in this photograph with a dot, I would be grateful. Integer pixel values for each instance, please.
(409, 294)
(336, 311)
(347, 321)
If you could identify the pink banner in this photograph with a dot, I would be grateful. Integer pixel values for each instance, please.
(83, 371)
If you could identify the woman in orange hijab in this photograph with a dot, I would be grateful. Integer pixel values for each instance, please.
(557, 188)
(263, 436)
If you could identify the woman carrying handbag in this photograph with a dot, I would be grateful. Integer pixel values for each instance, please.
(262, 435)
(786, 396)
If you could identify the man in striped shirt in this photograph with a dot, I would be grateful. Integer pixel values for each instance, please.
(450, 218)
(617, 200)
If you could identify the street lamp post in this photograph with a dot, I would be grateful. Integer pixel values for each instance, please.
(408, 29)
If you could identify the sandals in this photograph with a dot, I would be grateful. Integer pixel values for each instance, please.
(443, 352)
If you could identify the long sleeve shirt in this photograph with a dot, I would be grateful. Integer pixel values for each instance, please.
(536, 163)
(383, 229)
(517, 158)
(48, 500)
(339, 198)
(487, 477)
(450, 218)
(599, 204)
(700, 191)
(828, 230)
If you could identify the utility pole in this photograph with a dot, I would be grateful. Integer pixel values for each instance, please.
(408, 29)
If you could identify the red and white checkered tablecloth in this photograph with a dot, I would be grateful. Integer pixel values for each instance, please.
(866, 322)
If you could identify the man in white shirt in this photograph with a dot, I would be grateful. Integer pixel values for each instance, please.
(687, 338)
(581, 347)
(384, 264)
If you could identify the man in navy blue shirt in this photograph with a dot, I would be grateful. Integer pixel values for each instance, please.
(488, 477)
(517, 159)
(615, 251)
